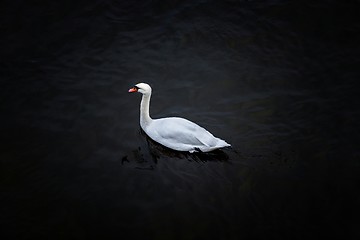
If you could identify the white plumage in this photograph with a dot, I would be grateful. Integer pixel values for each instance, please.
(173, 132)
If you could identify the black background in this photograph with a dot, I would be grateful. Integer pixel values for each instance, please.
(56, 182)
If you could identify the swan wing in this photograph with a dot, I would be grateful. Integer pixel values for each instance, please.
(183, 135)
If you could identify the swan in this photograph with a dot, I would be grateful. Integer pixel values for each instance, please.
(173, 132)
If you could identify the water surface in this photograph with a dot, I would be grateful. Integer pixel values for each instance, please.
(276, 80)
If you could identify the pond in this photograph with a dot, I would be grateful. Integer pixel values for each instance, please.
(276, 80)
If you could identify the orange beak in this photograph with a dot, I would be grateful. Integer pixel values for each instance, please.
(134, 89)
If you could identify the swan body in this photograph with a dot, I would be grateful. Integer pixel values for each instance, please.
(173, 132)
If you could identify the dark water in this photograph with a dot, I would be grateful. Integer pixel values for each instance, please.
(276, 80)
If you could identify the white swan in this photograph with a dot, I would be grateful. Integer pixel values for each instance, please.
(176, 133)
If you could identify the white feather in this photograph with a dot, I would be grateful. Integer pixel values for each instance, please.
(173, 132)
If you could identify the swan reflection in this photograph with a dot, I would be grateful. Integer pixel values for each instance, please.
(147, 156)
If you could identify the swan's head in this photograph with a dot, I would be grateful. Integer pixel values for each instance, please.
(141, 88)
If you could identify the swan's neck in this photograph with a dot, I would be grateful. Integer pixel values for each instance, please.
(145, 118)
